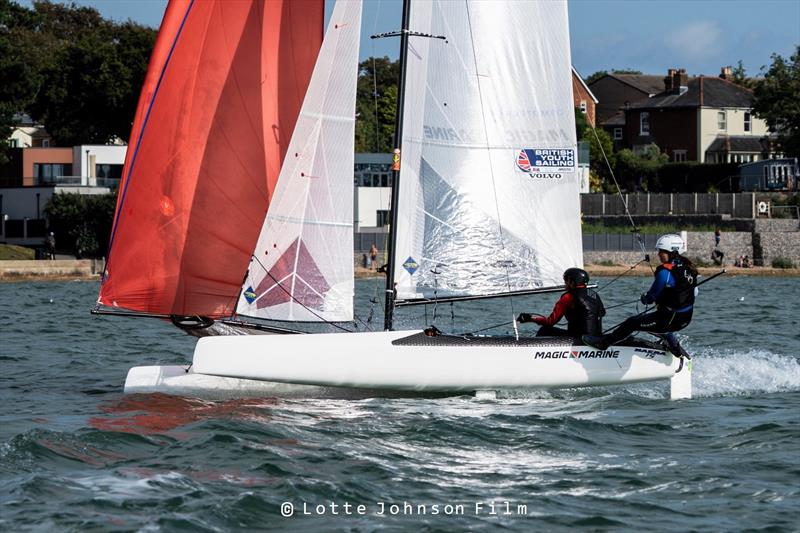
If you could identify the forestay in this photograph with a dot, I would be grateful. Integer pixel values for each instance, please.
(488, 198)
(302, 267)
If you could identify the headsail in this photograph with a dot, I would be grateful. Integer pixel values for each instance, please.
(218, 107)
(488, 198)
(302, 267)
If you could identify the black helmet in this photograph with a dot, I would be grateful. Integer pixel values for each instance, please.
(576, 275)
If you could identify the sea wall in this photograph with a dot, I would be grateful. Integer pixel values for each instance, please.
(774, 245)
(60, 268)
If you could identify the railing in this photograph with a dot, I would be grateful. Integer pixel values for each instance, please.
(58, 180)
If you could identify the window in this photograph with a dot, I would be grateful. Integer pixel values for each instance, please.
(583, 106)
(746, 121)
(48, 172)
(644, 123)
(679, 156)
(382, 218)
(617, 134)
(722, 122)
(13, 143)
(45, 143)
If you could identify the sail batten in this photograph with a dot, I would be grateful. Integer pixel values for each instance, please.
(488, 194)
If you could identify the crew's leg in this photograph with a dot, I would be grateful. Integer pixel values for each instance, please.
(551, 331)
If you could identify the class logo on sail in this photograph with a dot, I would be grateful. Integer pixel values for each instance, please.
(546, 163)
(411, 265)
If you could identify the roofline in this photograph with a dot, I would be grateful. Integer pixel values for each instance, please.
(622, 80)
(588, 90)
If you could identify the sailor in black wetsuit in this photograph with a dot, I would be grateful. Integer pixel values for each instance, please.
(672, 291)
(581, 306)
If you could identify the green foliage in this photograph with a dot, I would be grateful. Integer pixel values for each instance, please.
(776, 101)
(740, 76)
(600, 73)
(636, 171)
(81, 223)
(600, 142)
(72, 70)
(580, 123)
(376, 104)
(14, 252)
(650, 229)
(782, 262)
(695, 177)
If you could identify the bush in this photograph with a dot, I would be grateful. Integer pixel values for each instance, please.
(782, 262)
(81, 223)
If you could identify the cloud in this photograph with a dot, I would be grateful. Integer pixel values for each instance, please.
(695, 41)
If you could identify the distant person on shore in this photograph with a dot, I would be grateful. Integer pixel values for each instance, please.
(373, 256)
(672, 291)
(50, 246)
(717, 237)
(582, 307)
(716, 256)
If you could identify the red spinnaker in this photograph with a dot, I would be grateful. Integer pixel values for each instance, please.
(222, 94)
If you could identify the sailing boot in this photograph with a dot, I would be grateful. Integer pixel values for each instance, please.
(675, 347)
(596, 341)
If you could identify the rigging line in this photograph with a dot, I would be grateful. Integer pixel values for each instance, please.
(488, 150)
(629, 270)
(619, 192)
(301, 304)
(503, 323)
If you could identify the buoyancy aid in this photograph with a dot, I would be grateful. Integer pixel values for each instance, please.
(680, 297)
(584, 317)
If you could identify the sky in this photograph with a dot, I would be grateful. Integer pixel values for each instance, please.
(646, 35)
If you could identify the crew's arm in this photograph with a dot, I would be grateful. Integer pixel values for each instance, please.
(661, 281)
(559, 309)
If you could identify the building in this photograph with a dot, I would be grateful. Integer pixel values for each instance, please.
(703, 119)
(28, 134)
(616, 92)
(770, 175)
(583, 98)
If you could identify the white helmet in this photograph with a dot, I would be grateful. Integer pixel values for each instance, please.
(671, 243)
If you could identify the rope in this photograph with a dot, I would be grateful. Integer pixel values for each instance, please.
(624, 203)
(647, 258)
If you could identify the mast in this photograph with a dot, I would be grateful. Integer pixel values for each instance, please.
(398, 141)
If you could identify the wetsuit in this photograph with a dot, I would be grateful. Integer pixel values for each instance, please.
(673, 293)
(584, 311)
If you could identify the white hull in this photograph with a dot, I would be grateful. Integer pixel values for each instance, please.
(322, 365)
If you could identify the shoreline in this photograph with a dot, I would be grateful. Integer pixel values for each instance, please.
(18, 273)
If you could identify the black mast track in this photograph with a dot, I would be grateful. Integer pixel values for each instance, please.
(398, 141)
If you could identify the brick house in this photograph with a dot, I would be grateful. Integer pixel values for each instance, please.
(617, 91)
(583, 98)
(704, 119)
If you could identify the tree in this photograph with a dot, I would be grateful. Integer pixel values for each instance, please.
(600, 143)
(776, 101)
(600, 73)
(740, 76)
(639, 171)
(376, 104)
(82, 223)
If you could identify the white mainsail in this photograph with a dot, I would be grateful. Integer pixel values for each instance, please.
(302, 267)
(489, 196)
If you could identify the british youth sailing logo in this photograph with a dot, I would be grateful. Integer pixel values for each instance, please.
(546, 163)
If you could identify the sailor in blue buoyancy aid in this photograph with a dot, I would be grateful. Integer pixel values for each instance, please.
(672, 291)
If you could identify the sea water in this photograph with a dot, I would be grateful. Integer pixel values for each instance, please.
(78, 455)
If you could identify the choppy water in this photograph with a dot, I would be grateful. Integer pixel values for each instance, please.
(75, 454)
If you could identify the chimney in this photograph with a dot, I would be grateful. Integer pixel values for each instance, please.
(668, 80)
(680, 81)
(726, 73)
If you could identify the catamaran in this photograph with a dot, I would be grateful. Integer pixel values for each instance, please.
(235, 211)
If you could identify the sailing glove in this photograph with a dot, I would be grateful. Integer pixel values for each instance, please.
(524, 317)
(645, 299)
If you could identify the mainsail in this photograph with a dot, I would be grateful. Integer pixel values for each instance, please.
(302, 267)
(488, 193)
(219, 104)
